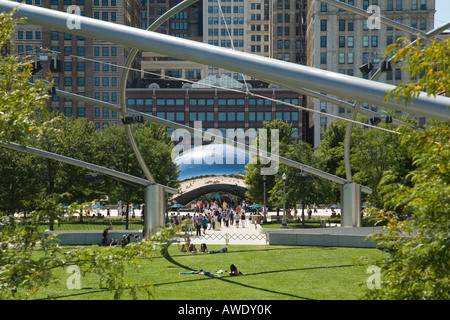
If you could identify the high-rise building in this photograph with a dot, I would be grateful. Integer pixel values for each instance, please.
(185, 24)
(275, 29)
(343, 42)
(87, 67)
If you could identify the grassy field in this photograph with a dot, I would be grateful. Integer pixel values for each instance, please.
(269, 273)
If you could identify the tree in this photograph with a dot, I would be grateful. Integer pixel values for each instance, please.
(253, 177)
(28, 254)
(427, 65)
(416, 234)
(116, 153)
(300, 186)
(15, 73)
(330, 154)
(374, 152)
(20, 181)
(417, 222)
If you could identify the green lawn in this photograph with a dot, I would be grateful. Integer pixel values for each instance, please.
(269, 273)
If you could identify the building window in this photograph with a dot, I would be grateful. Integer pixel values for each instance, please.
(390, 5)
(81, 112)
(350, 57)
(350, 42)
(350, 25)
(423, 4)
(222, 116)
(374, 41)
(398, 74)
(323, 58)
(423, 24)
(323, 25)
(365, 41)
(80, 51)
(365, 4)
(68, 81)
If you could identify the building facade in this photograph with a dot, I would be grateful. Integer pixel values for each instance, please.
(221, 109)
(186, 24)
(343, 42)
(85, 66)
(275, 29)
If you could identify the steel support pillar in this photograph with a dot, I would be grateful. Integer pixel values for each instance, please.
(155, 208)
(351, 205)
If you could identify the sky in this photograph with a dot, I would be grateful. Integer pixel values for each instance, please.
(442, 13)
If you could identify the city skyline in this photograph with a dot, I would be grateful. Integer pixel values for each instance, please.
(282, 39)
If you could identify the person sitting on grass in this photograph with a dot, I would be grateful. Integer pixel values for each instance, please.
(183, 248)
(192, 248)
(234, 271)
(203, 248)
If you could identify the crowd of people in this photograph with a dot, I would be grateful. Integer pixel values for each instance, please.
(215, 214)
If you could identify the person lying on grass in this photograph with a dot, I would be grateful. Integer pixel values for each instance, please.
(201, 271)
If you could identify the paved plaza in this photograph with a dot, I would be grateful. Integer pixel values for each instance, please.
(245, 234)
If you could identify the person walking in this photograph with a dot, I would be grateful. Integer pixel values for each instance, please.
(198, 226)
(204, 224)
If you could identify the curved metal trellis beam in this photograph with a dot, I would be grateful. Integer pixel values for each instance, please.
(75, 162)
(175, 125)
(263, 68)
(123, 84)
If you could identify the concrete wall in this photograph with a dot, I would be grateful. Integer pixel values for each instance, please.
(87, 237)
(327, 237)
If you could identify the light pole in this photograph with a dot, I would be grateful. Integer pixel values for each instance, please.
(265, 213)
(283, 223)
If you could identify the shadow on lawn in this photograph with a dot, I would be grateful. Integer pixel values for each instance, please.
(229, 278)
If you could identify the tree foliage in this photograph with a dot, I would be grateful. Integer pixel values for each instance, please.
(416, 234)
(427, 65)
(416, 210)
(35, 186)
(22, 107)
(297, 190)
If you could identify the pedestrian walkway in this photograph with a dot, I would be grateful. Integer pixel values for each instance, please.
(248, 235)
